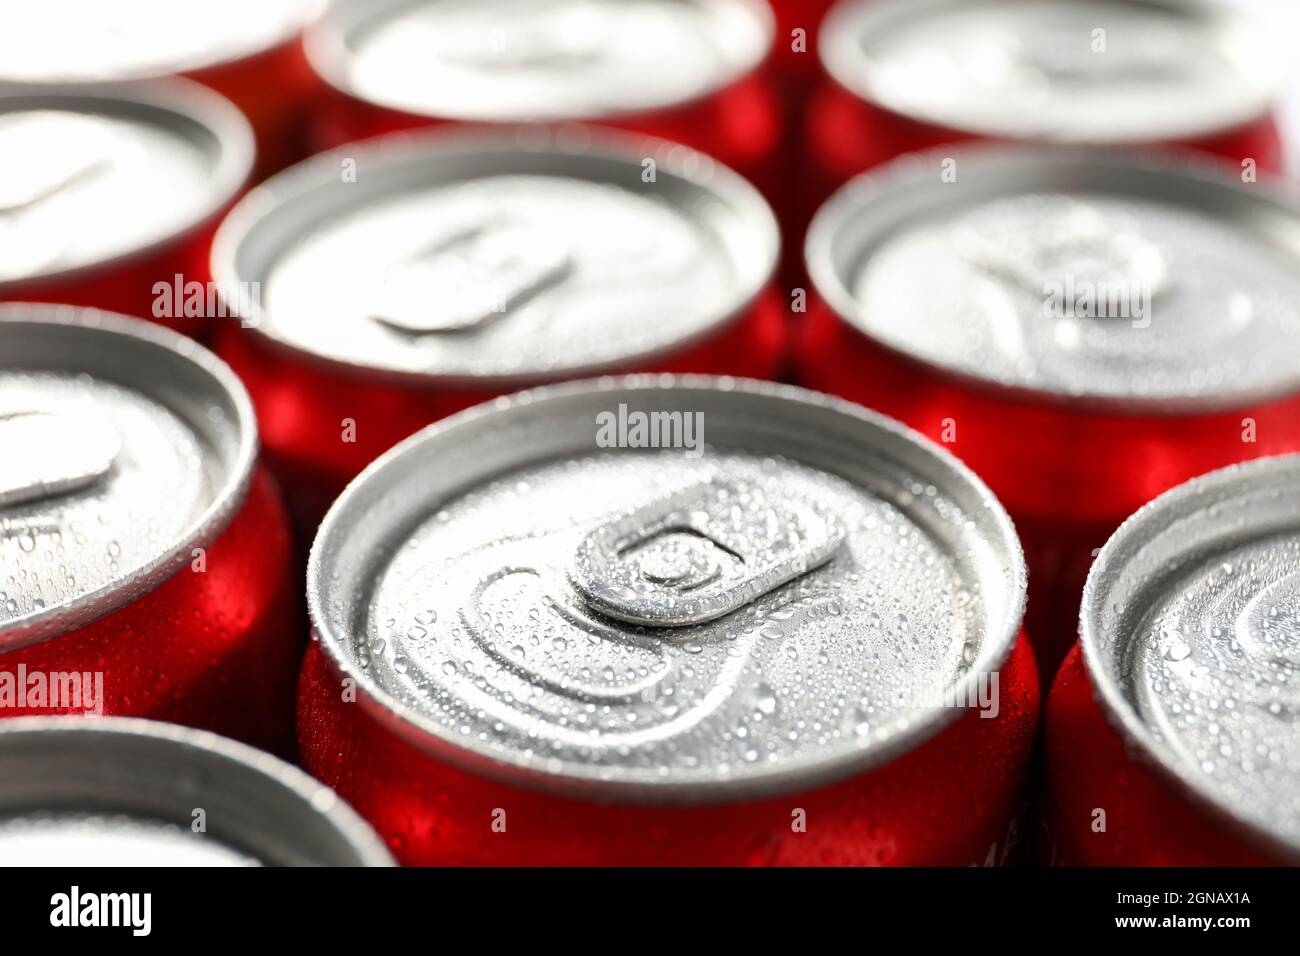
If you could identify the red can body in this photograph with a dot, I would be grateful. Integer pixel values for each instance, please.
(149, 556)
(303, 405)
(1146, 823)
(861, 115)
(740, 126)
(741, 122)
(953, 800)
(1168, 742)
(846, 135)
(1068, 475)
(218, 650)
(937, 781)
(276, 89)
(251, 53)
(129, 286)
(1073, 453)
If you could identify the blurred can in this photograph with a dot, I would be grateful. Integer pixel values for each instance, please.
(147, 560)
(1171, 736)
(411, 277)
(690, 71)
(669, 620)
(111, 195)
(1084, 329)
(115, 792)
(249, 51)
(907, 75)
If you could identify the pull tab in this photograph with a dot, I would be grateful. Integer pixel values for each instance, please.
(467, 279)
(46, 454)
(701, 552)
(52, 151)
(1096, 265)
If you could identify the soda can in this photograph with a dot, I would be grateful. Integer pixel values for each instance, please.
(908, 75)
(1170, 731)
(249, 51)
(1084, 329)
(78, 793)
(111, 195)
(401, 280)
(690, 71)
(671, 620)
(147, 563)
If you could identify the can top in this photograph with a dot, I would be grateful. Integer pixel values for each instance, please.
(80, 792)
(1074, 274)
(89, 41)
(127, 447)
(96, 174)
(667, 589)
(514, 255)
(1191, 632)
(1071, 71)
(520, 61)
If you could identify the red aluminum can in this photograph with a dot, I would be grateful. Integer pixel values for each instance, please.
(690, 71)
(147, 559)
(462, 265)
(1084, 329)
(665, 620)
(908, 75)
(249, 51)
(1170, 731)
(111, 194)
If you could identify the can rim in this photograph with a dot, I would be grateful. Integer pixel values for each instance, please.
(184, 101)
(411, 726)
(1119, 712)
(258, 769)
(394, 150)
(309, 11)
(846, 22)
(840, 211)
(205, 528)
(324, 43)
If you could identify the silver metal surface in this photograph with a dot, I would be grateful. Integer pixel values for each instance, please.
(125, 448)
(1073, 274)
(850, 574)
(508, 256)
(94, 174)
(67, 450)
(538, 60)
(1063, 71)
(1191, 632)
(701, 551)
(107, 839)
(114, 792)
(87, 41)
